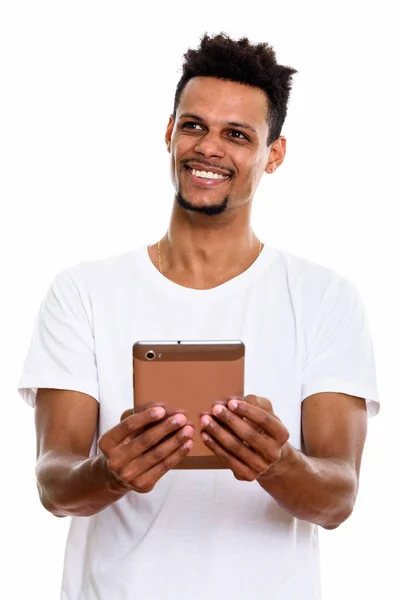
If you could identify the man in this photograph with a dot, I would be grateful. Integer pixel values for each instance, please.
(292, 445)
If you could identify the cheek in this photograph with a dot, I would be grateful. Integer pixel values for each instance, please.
(257, 171)
(172, 170)
(174, 162)
(177, 153)
(250, 175)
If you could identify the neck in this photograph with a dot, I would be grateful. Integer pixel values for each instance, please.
(208, 252)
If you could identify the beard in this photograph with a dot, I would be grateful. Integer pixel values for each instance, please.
(211, 209)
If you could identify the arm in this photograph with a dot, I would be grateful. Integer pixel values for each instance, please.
(319, 485)
(133, 456)
(338, 370)
(69, 482)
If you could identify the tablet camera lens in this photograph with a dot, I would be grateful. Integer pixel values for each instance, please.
(150, 355)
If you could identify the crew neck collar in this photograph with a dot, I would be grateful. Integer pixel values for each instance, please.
(165, 285)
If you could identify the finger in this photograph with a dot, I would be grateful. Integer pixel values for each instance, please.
(132, 447)
(152, 436)
(235, 446)
(258, 401)
(158, 454)
(168, 414)
(246, 432)
(138, 420)
(268, 422)
(135, 411)
(261, 402)
(147, 480)
(241, 470)
(256, 427)
(127, 413)
(129, 426)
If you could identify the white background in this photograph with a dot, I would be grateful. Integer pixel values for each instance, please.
(87, 88)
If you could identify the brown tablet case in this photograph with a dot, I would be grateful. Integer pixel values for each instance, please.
(189, 377)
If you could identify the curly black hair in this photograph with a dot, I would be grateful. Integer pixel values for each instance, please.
(243, 62)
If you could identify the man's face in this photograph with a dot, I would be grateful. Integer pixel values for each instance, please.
(220, 128)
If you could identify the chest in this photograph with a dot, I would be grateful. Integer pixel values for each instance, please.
(266, 323)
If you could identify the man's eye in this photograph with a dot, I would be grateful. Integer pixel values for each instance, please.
(233, 133)
(190, 125)
(244, 137)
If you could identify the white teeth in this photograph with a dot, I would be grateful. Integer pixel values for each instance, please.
(207, 174)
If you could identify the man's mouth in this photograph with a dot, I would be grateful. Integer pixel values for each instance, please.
(206, 177)
(206, 174)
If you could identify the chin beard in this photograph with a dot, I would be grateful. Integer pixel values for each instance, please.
(211, 209)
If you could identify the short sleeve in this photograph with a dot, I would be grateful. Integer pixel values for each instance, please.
(61, 353)
(339, 349)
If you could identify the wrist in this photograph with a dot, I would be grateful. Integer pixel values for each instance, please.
(113, 483)
(287, 459)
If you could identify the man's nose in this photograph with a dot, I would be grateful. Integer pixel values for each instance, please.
(210, 145)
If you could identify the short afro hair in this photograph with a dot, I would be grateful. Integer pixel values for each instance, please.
(242, 62)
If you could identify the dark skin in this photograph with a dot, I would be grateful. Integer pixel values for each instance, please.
(319, 484)
(133, 454)
(201, 250)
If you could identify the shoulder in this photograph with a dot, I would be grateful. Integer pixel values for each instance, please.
(100, 274)
(309, 279)
(316, 291)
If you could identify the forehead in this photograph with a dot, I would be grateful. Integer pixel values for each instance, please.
(219, 100)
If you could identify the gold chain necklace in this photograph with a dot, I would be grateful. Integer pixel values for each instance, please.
(159, 255)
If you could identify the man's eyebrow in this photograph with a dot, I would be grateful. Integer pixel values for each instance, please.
(230, 123)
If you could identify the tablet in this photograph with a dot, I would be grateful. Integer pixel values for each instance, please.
(189, 377)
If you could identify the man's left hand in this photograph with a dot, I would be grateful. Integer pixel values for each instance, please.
(247, 435)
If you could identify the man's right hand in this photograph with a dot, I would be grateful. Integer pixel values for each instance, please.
(136, 452)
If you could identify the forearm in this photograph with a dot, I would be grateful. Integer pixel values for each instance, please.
(70, 485)
(319, 490)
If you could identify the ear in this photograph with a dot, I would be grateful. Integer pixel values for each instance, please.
(276, 154)
(168, 133)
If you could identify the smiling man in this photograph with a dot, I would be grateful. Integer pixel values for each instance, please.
(292, 446)
(237, 179)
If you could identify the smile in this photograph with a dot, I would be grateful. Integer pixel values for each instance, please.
(208, 178)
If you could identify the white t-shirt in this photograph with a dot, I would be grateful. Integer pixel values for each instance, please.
(199, 534)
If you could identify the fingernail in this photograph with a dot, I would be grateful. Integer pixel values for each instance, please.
(233, 404)
(179, 420)
(188, 444)
(217, 410)
(205, 420)
(157, 413)
(187, 432)
(205, 436)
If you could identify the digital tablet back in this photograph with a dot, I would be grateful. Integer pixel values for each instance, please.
(189, 377)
